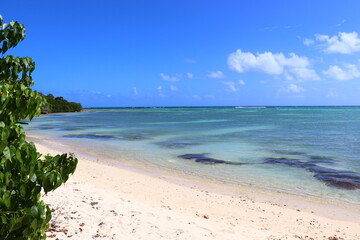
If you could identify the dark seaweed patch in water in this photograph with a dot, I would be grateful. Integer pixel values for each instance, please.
(313, 158)
(43, 128)
(133, 137)
(321, 159)
(318, 169)
(202, 158)
(336, 178)
(71, 129)
(346, 180)
(107, 137)
(332, 177)
(287, 161)
(286, 152)
(91, 136)
(176, 144)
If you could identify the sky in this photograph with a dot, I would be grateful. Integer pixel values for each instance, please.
(132, 53)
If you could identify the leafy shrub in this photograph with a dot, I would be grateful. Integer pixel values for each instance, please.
(23, 173)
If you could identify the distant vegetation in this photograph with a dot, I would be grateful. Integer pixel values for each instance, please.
(59, 104)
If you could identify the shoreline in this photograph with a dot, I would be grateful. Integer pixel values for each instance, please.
(159, 206)
(267, 162)
(343, 210)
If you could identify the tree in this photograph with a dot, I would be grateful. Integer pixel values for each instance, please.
(24, 172)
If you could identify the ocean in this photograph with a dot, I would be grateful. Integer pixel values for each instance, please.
(311, 152)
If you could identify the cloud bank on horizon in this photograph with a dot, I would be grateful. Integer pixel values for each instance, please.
(291, 68)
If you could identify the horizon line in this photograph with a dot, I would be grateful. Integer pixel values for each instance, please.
(199, 106)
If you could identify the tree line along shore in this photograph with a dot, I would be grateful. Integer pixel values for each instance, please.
(59, 104)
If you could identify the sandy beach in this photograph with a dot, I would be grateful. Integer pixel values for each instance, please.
(105, 202)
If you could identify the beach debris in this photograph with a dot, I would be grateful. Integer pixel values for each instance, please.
(54, 228)
(202, 158)
(206, 216)
(335, 238)
(114, 212)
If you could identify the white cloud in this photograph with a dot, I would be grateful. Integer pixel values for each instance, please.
(173, 88)
(217, 74)
(231, 86)
(190, 75)
(170, 78)
(289, 77)
(340, 24)
(97, 94)
(292, 67)
(246, 61)
(266, 62)
(241, 82)
(160, 91)
(350, 71)
(292, 88)
(189, 60)
(304, 73)
(135, 91)
(308, 42)
(345, 43)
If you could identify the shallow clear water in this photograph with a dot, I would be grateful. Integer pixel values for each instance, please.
(282, 148)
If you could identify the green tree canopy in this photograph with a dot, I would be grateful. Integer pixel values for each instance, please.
(59, 104)
(24, 172)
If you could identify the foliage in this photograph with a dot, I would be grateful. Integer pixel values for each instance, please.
(59, 104)
(24, 173)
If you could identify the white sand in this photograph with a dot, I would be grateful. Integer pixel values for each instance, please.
(105, 202)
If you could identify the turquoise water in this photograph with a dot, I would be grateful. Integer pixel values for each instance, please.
(308, 151)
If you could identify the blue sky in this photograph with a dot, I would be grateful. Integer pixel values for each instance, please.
(193, 53)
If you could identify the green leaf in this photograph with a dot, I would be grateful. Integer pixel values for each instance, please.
(22, 191)
(34, 224)
(17, 224)
(34, 211)
(6, 200)
(33, 177)
(3, 220)
(6, 153)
